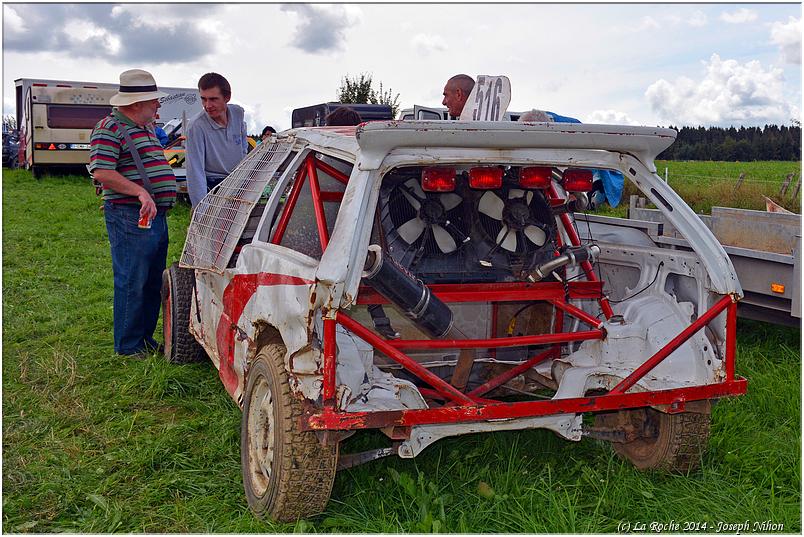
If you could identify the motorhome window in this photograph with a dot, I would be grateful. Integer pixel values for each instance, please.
(66, 116)
(427, 114)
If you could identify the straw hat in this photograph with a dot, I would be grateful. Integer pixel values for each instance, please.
(136, 85)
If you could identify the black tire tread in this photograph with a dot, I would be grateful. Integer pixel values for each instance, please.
(682, 440)
(307, 468)
(184, 348)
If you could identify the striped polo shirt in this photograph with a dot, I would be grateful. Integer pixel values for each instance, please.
(109, 151)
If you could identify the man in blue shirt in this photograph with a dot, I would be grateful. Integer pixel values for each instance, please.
(216, 138)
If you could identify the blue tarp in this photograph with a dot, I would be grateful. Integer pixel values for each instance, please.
(612, 180)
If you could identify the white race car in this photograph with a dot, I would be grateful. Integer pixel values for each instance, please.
(413, 276)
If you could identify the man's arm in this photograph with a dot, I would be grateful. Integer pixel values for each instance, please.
(194, 159)
(103, 156)
(113, 180)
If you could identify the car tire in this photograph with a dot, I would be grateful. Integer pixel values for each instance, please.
(287, 472)
(178, 285)
(677, 445)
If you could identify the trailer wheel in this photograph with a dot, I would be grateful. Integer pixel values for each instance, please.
(181, 346)
(287, 473)
(675, 442)
(37, 171)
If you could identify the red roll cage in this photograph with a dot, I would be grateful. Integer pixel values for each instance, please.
(460, 406)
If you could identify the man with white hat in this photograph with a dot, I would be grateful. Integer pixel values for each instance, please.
(138, 189)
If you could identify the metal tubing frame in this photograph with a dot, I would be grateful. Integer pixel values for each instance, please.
(328, 420)
(675, 343)
(401, 358)
(329, 170)
(576, 241)
(470, 407)
(318, 204)
(497, 292)
(577, 313)
(290, 204)
(497, 342)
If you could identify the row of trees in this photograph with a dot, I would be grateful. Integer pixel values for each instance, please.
(770, 142)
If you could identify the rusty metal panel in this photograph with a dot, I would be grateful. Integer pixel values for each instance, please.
(757, 230)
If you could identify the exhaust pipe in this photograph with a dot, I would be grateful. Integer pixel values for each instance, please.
(410, 294)
(571, 256)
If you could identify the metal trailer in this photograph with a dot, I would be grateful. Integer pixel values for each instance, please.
(284, 258)
(764, 247)
(315, 115)
(56, 117)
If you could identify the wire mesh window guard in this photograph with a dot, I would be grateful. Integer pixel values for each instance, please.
(219, 220)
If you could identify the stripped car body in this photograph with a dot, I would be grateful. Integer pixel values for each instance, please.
(283, 250)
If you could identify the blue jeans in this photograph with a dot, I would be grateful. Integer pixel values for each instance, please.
(138, 259)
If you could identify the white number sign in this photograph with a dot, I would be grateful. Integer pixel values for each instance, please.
(489, 99)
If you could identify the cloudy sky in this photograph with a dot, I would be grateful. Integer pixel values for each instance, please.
(651, 64)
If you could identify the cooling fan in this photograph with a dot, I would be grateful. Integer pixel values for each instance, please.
(517, 221)
(430, 220)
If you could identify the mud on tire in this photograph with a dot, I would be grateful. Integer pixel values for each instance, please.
(178, 285)
(287, 473)
(679, 442)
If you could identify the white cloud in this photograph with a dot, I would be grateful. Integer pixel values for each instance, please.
(322, 28)
(729, 93)
(428, 43)
(697, 19)
(12, 22)
(740, 16)
(609, 117)
(787, 36)
(82, 32)
(648, 23)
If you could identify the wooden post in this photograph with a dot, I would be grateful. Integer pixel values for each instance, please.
(785, 184)
(739, 181)
(798, 187)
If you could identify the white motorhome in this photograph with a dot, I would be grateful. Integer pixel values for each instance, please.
(56, 118)
(427, 113)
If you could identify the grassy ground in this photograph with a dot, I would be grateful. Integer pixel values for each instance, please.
(95, 443)
(704, 184)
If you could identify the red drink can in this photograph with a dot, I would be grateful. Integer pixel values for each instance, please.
(145, 222)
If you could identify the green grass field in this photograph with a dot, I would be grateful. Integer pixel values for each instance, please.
(96, 443)
(705, 184)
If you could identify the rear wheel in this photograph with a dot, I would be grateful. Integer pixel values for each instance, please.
(669, 442)
(287, 473)
(178, 285)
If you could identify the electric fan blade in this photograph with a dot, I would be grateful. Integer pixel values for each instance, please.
(536, 235)
(411, 230)
(517, 193)
(491, 205)
(509, 243)
(416, 187)
(416, 204)
(444, 240)
(450, 201)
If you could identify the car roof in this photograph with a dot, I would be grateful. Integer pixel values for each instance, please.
(375, 139)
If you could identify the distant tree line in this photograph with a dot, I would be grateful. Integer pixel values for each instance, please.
(770, 142)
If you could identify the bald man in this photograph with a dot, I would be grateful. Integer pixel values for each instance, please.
(456, 92)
